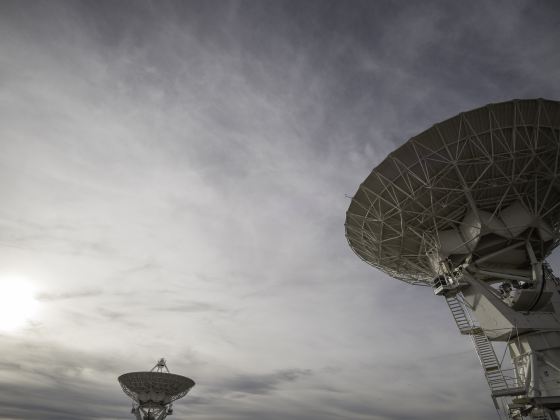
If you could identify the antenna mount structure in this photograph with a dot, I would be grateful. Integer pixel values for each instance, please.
(153, 392)
(471, 208)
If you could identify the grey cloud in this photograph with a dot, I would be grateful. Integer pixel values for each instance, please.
(173, 177)
(111, 315)
(188, 307)
(48, 376)
(265, 383)
(68, 295)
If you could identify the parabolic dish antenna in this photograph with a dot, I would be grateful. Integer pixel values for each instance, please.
(463, 188)
(471, 207)
(153, 392)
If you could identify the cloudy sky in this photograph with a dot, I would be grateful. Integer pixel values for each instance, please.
(174, 180)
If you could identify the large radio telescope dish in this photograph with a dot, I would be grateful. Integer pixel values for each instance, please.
(466, 187)
(153, 392)
(155, 388)
(471, 207)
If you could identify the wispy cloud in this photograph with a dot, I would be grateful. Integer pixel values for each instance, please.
(69, 295)
(264, 383)
(174, 180)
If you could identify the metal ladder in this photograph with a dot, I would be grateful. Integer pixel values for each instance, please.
(484, 349)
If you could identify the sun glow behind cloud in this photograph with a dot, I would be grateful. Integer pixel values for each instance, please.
(18, 305)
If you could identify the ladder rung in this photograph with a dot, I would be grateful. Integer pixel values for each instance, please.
(487, 354)
(493, 370)
(509, 391)
(490, 365)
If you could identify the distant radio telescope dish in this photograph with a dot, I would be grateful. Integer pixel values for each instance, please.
(471, 207)
(153, 392)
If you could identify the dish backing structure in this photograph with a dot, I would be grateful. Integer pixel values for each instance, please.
(153, 392)
(471, 207)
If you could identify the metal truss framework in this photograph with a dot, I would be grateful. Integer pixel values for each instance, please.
(482, 162)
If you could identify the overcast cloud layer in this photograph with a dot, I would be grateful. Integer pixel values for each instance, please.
(174, 180)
